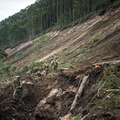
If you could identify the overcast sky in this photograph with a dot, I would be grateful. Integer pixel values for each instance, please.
(10, 7)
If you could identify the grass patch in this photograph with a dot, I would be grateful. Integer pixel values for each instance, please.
(44, 38)
(36, 64)
(66, 54)
(34, 43)
(2, 64)
(81, 57)
(65, 48)
(94, 40)
(2, 83)
(8, 73)
(69, 66)
(52, 74)
(3, 54)
(78, 117)
(102, 103)
(112, 82)
(18, 56)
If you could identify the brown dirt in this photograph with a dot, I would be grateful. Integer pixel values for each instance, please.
(42, 105)
(112, 113)
(9, 110)
(72, 42)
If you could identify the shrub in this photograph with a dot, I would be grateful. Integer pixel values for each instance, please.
(78, 117)
(3, 54)
(94, 39)
(20, 55)
(2, 64)
(69, 66)
(34, 42)
(44, 38)
(111, 79)
(25, 69)
(36, 64)
(81, 57)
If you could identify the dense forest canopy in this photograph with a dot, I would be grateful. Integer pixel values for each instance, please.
(45, 14)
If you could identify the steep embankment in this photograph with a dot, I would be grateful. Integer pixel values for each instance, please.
(93, 40)
(88, 92)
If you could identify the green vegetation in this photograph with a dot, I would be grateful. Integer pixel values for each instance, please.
(44, 38)
(69, 66)
(81, 57)
(65, 48)
(29, 50)
(78, 117)
(107, 91)
(18, 56)
(3, 54)
(35, 64)
(2, 64)
(45, 15)
(25, 69)
(112, 82)
(93, 40)
(65, 54)
(34, 42)
(52, 74)
(86, 48)
(102, 103)
(7, 73)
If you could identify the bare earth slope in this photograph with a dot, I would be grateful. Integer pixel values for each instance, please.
(86, 92)
(92, 40)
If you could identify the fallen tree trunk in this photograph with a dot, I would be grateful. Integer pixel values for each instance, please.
(79, 93)
(107, 62)
(113, 90)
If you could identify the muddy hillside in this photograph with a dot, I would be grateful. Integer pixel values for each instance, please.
(90, 94)
(86, 85)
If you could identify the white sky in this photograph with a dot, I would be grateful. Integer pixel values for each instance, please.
(10, 7)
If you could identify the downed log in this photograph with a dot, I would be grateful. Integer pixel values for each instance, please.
(98, 93)
(66, 117)
(111, 62)
(79, 93)
(85, 117)
(113, 90)
(51, 95)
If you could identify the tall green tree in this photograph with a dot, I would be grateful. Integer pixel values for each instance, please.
(44, 14)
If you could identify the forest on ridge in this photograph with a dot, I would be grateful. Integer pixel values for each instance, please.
(46, 15)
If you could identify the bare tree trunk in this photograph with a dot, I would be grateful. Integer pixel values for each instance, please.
(79, 93)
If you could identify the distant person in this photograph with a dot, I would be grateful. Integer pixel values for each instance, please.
(46, 67)
(18, 89)
(55, 64)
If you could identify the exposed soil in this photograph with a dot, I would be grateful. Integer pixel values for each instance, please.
(96, 40)
(51, 98)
